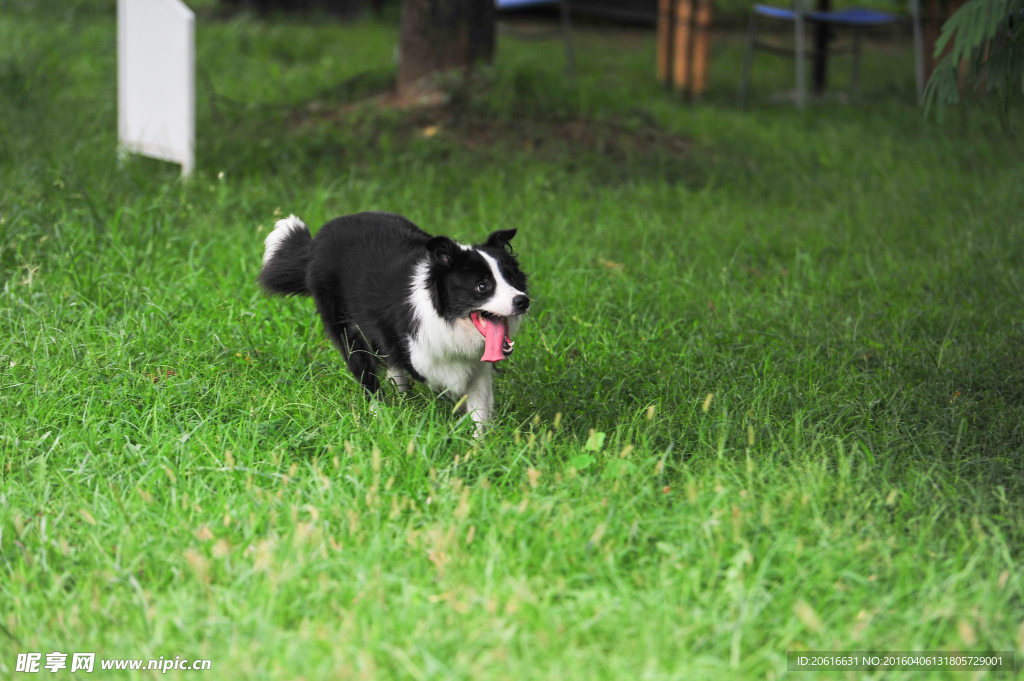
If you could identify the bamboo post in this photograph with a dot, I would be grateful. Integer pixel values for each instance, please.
(701, 40)
(681, 45)
(664, 65)
(684, 40)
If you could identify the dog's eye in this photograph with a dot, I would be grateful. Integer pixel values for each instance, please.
(482, 287)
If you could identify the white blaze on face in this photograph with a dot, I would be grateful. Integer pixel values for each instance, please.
(500, 302)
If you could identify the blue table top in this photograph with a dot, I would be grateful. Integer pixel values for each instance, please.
(852, 16)
(508, 4)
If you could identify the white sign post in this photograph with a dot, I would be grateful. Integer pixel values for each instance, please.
(156, 80)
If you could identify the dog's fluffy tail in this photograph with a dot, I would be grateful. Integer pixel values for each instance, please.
(286, 258)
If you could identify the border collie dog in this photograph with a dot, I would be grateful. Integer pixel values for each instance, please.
(431, 309)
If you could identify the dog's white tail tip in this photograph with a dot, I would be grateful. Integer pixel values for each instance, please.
(282, 228)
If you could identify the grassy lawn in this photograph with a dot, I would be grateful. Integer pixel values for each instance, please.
(768, 398)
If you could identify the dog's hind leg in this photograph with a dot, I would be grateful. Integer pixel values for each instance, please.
(330, 313)
(362, 362)
(400, 377)
(357, 353)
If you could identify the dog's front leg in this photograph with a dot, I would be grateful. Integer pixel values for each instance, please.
(400, 377)
(480, 399)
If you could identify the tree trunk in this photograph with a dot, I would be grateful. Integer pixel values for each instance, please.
(441, 35)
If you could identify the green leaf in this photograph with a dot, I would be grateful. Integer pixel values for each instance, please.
(619, 467)
(581, 461)
(985, 53)
(595, 442)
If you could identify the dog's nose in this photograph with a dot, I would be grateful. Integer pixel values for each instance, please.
(521, 303)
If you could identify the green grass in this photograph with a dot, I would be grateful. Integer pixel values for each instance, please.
(186, 468)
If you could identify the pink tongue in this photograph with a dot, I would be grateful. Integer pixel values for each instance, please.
(494, 336)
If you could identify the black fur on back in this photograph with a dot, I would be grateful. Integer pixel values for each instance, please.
(359, 276)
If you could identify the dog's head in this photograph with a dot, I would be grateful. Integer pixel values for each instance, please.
(482, 283)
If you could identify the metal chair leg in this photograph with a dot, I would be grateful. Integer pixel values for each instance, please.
(855, 69)
(801, 76)
(570, 57)
(915, 15)
(748, 61)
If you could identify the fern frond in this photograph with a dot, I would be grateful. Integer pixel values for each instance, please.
(985, 39)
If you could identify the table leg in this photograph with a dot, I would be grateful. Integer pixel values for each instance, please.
(822, 35)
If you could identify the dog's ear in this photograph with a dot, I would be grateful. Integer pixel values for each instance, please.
(500, 238)
(441, 248)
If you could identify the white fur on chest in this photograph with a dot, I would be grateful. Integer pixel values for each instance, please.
(446, 355)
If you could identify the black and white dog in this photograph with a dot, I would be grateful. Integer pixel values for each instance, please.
(433, 310)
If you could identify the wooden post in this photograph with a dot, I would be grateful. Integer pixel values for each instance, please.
(664, 65)
(681, 45)
(915, 18)
(931, 35)
(701, 41)
(937, 13)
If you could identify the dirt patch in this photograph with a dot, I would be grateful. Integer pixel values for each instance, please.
(610, 137)
(435, 117)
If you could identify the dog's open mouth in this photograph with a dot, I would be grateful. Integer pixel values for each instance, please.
(494, 329)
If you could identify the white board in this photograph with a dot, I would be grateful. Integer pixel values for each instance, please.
(156, 74)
